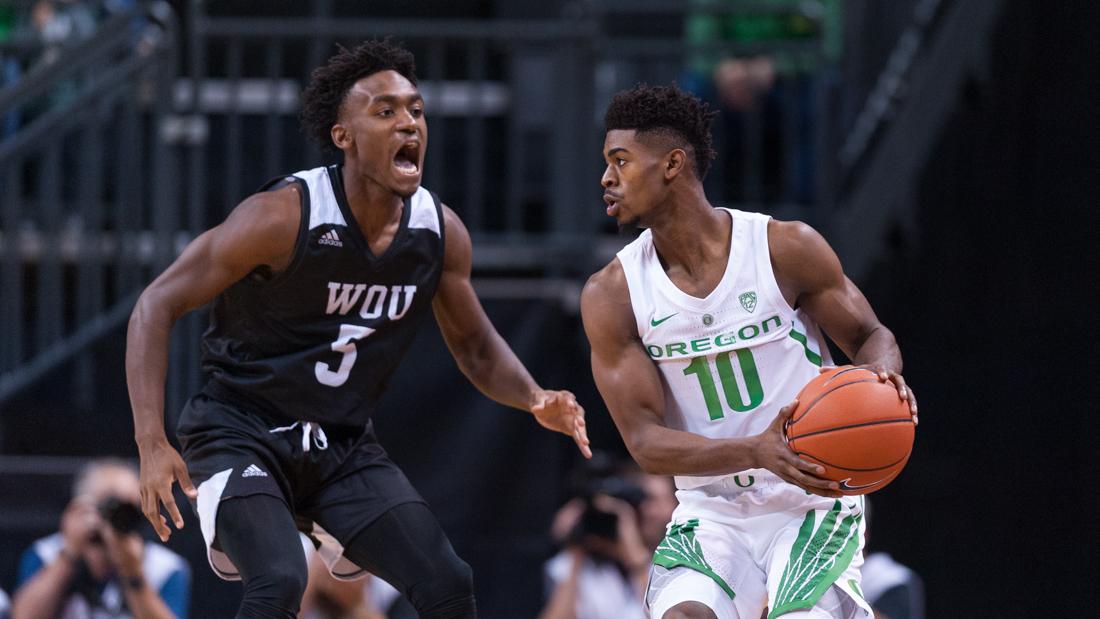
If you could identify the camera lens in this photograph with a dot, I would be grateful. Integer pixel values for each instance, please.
(123, 516)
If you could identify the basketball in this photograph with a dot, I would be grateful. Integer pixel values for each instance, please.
(853, 425)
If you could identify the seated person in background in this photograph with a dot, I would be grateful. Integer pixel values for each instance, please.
(98, 565)
(609, 532)
(328, 598)
(893, 590)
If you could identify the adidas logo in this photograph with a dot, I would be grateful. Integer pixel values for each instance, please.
(253, 471)
(330, 238)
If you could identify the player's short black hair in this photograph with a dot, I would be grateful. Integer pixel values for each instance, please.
(666, 110)
(329, 84)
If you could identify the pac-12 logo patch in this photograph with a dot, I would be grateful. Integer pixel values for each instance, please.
(748, 301)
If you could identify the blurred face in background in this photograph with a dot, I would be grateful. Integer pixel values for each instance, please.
(655, 512)
(382, 132)
(634, 181)
(102, 483)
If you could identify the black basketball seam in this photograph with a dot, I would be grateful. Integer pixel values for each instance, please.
(844, 468)
(818, 398)
(855, 425)
(845, 371)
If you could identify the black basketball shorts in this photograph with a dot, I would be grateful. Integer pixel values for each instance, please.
(334, 480)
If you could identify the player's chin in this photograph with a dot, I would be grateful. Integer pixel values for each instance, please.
(405, 185)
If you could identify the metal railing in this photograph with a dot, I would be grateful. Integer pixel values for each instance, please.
(120, 162)
(85, 213)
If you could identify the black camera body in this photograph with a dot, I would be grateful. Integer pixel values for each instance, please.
(122, 516)
(595, 522)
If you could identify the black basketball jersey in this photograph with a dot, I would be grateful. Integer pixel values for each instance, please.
(319, 341)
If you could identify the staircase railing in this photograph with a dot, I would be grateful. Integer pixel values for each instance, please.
(85, 212)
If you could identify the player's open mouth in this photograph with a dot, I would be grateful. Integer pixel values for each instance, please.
(407, 160)
(612, 202)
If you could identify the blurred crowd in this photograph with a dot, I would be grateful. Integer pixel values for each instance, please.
(99, 564)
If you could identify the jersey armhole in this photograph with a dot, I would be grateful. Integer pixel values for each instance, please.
(442, 222)
(766, 271)
(303, 227)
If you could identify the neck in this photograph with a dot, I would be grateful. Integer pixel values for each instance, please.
(688, 232)
(372, 204)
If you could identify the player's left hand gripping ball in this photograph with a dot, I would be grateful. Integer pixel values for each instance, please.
(559, 411)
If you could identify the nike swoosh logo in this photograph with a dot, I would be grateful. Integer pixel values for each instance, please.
(653, 322)
(846, 486)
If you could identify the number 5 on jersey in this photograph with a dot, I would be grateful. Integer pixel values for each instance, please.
(344, 344)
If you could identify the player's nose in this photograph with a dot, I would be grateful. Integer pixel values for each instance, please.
(608, 179)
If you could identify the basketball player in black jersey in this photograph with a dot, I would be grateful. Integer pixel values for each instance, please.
(319, 282)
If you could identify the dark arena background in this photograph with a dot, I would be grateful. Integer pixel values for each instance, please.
(948, 149)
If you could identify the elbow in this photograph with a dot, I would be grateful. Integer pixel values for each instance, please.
(645, 450)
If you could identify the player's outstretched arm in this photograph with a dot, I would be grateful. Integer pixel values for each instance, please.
(260, 231)
(483, 355)
(810, 277)
(631, 387)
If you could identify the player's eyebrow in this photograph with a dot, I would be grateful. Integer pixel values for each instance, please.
(611, 153)
(391, 99)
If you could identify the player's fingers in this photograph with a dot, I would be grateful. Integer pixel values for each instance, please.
(169, 502)
(809, 481)
(808, 467)
(825, 368)
(580, 437)
(160, 525)
(899, 382)
(150, 510)
(185, 481)
(785, 414)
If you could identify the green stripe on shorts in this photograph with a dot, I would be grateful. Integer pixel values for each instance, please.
(818, 557)
(680, 549)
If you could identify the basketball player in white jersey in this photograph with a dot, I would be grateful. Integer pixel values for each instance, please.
(703, 330)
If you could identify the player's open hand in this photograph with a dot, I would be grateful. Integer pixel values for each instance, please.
(560, 412)
(905, 392)
(161, 466)
(773, 453)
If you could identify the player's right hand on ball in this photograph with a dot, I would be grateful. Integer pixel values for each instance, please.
(160, 467)
(773, 453)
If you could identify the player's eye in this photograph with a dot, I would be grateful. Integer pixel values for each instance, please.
(386, 113)
(619, 161)
(416, 112)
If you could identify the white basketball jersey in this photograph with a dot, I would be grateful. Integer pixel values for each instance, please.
(730, 361)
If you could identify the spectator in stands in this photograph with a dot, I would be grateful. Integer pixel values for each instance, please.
(328, 598)
(98, 565)
(893, 590)
(62, 21)
(609, 532)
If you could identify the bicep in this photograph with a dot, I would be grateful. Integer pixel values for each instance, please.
(254, 235)
(626, 377)
(844, 313)
(806, 261)
(456, 306)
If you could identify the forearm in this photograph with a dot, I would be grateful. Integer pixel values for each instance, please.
(879, 350)
(147, 342)
(496, 371)
(145, 603)
(664, 451)
(43, 594)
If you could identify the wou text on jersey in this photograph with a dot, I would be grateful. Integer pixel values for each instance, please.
(395, 301)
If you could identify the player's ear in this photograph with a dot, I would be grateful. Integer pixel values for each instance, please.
(674, 163)
(341, 137)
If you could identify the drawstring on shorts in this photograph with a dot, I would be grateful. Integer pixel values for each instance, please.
(309, 429)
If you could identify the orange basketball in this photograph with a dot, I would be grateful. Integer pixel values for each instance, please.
(854, 426)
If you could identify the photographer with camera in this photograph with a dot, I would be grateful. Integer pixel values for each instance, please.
(98, 565)
(608, 532)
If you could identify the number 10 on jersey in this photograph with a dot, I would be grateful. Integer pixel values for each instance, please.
(700, 367)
